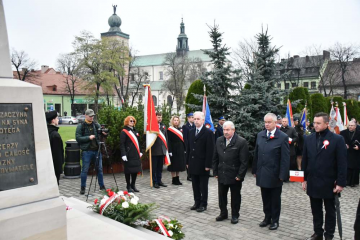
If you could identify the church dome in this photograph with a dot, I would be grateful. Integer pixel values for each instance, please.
(114, 23)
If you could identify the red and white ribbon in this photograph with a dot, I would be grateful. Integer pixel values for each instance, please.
(107, 203)
(134, 139)
(163, 229)
(176, 132)
(326, 143)
(167, 157)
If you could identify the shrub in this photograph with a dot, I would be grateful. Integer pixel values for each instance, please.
(319, 104)
(193, 104)
(302, 94)
(353, 109)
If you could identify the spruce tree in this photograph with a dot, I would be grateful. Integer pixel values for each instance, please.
(261, 95)
(223, 79)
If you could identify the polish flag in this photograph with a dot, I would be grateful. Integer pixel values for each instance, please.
(296, 176)
(151, 126)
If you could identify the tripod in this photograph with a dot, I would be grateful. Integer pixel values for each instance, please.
(96, 167)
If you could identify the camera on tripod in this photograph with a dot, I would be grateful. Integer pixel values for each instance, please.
(103, 129)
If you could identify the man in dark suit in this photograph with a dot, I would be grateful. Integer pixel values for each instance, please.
(199, 160)
(271, 167)
(158, 152)
(230, 162)
(293, 137)
(186, 128)
(324, 166)
(219, 128)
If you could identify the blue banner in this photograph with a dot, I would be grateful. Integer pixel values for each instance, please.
(208, 120)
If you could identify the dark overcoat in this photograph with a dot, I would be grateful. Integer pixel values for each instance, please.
(186, 128)
(323, 167)
(159, 149)
(271, 159)
(128, 149)
(57, 149)
(200, 151)
(230, 161)
(352, 139)
(177, 148)
(291, 132)
(218, 131)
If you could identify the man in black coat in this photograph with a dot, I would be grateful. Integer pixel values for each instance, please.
(199, 160)
(158, 152)
(324, 166)
(271, 167)
(56, 143)
(186, 128)
(293, 138)
(219, 128)
(230, 162)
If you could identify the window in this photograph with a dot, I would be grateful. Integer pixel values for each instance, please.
(313, 85)
(140, 97)
(287, 85)
(293, 85)
(306, 84)
(161, 75)
(132, 77)
(169, 100)
(154, 100)
(279, 85)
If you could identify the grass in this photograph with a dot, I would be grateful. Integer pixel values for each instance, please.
(67, 133)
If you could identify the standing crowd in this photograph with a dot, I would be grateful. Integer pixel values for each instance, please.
(329, 161)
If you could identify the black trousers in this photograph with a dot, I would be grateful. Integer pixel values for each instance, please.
(200, 189)
(271, 198)
(235, 190)
(157, 167)
(293, 163)
(133, 179)
(330, 216)
(57, 178)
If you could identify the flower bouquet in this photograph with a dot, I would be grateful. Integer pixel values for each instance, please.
(167, 227)
(123, 207)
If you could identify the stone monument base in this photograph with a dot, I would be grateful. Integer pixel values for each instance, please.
(38, 220)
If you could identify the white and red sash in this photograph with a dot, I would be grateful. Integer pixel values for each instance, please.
(163, 139)
(176, 132)
(107, 203)
(134, 139)
(162, 227)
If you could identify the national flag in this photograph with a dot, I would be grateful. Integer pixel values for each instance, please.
(339, 124)
(296, 176)
(151, 126)
(346, 118)
(206, 110)
(289, 114)
(332, 123)
(304, 118)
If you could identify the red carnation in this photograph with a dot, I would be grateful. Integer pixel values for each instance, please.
(126, 193)
(111, 193)
(271, 137)
(108, 190)
(96, 201)
(156, 229)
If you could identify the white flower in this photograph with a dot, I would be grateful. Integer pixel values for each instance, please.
(121, 193)
(131, 194)
(170, 225)
(125, 204)
(105, 198)
(133, 201)
(170, 233)
(136, 198)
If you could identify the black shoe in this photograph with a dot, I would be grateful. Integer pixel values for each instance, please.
(315, 237)
(189, 179)
(220, 218)
(129, 189)
(194, 207)
(156, 185)
(162, 184)
(178, 180)
(174, 181)
(201, 209)
(134, 188)
(234, 220)
(264, 223)
(274, 226)
(82, 191)
(102, 188)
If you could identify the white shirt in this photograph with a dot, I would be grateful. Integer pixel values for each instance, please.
(271, 133)
(198, 129)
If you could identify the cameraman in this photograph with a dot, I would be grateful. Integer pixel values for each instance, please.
(88, 139)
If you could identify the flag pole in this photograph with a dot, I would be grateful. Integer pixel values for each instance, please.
(150, 163)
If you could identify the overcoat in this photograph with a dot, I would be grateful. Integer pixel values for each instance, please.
(291, 132)
(57, 149)
(218, 131)
(186, 128)
(200, 151)
(352, 139)
(230, 161)
(159, 149)
(324, 166)
(271, 159)
(128, 149)
(177, 148)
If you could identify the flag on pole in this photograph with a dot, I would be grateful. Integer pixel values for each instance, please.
(332, 123)
(304, 118)
(206, 110)
(339, 124)
(346, 118)
(289, 114)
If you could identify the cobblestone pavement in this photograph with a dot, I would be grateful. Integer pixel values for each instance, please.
(175, 202)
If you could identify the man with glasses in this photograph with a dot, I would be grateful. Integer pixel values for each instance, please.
(88, 139)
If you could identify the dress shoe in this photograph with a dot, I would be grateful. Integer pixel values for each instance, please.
(82, 191)
(201, 209)
(264, 223)
(189, 179)
(194, 207)
(234, 220)
(102, 188)
(162, 184)
(220, 218)
(274, 226)
(315, 237)
(156, 185)
(134, 188)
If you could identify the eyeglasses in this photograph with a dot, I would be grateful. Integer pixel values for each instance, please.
(132, 121)
(92, 116)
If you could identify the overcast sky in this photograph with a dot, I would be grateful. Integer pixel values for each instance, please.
(46, 28)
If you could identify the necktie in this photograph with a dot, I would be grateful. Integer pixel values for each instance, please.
(197, 131)
(269, 134)
(227, 141)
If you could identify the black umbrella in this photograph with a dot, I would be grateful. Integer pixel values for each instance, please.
(338, 215)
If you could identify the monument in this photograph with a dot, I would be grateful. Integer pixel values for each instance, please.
(30, 204)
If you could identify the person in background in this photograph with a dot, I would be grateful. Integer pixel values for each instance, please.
(293, 138)
(186, 128)
(279, 121)
(130, 152)
(177, 150)
(299, 145)
(56, 143)
(219, 128)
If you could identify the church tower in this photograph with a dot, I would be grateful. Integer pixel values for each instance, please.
(182, 41)
(115, 31)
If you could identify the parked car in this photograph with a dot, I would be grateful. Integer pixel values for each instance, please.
(81, 118)
(60, 120)
(69, 120)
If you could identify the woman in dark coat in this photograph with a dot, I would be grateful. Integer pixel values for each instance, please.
(177, 151)
(130, 152)
(352, 140)
(299, 144)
